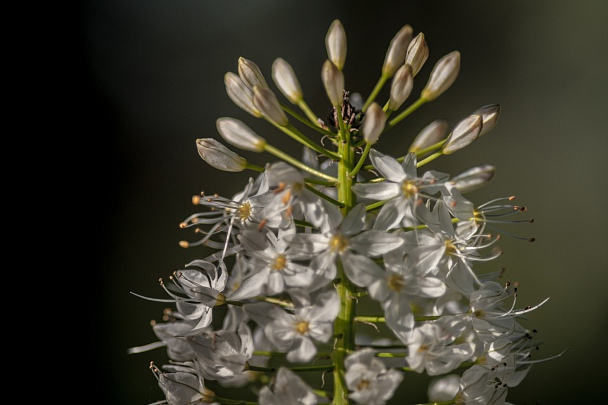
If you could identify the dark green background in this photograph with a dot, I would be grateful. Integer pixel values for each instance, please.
(154, 84)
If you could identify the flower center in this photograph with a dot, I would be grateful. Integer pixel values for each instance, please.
(244, 211)
(363, 384)
(409, 189)
(395, 282)
(338, 243)
(302, 327)
(279, 262)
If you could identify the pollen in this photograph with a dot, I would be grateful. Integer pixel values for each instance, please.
(338, 243)
(302, 327)
(395, 282)
(409, 189)
(244, 211)
(279, 262)
(363, 384)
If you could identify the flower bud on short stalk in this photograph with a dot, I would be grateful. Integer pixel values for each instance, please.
(430, 135)
(265, 101)
(335, 42)
(373, 123)
(333, 80)
(286, 80)
(473, 178)
(396, 51)
(236, 133)
(250, 74)
(401, 87)
(489, 115)
(443, 75)
(417, 53)
(465, 132)
(219, 156)
(240, 94)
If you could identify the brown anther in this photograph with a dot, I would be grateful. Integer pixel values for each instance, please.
(196, 199)
(262, 224)
(152, 322)
(511, 198)
(286, 197)
(280, 188)
(183, 225)
(289, 211)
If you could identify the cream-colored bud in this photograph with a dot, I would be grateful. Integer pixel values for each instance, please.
(401, 87)
(265, 101)
(397, 49)
(443, 75)
(219, 156)
(240, 94)
(489, 114)
(335, 42)
(236, 133)
(333, 80)
(463, 134)
(286, 80)
(373, 123)
(430, 135)
(417, 53)
(473, 178)
(250, 74)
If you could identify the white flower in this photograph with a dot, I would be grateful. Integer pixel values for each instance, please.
(287, 389)
(368, 379)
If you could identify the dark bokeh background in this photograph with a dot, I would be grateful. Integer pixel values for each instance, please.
(153, 84)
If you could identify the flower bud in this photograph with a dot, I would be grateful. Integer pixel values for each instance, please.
(443, 75)
(219, 156)
(465, 132)
(401, 87)
(333, 80)
(373, 123)
(236, 133)
(430, 135)
(417, 53)
(489, 115)
(250, 74)
(286, 80)
(473, 178)
(265, 101)
(240, 94)
(396, 51)
(335, 42)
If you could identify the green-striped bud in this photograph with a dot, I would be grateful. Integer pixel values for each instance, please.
(417, 53)
(335, 42)
(373, 123)
(443, 75)
(489, 115)
(240, 94)
(286, 80)
(396, 51)
(219, 156)
(236, 133)
(465, 132)
(401, 87)
(430, 135)
(250, 74)
(265, 101)
(333, 80)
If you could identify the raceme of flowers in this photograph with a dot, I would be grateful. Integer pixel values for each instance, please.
(348, 263)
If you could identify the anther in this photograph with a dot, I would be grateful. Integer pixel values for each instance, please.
(183, 243)
(196, 199)
(531, 239)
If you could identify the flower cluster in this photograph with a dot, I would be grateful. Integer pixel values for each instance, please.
(317, 254)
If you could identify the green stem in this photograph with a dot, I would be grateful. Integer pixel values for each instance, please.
(375, 205)
(413, 107)
(228, 401)
(429, 159)
(294, 133)
(306, 122)
(323, 196)
(320, 182)
(251, 166)
(294, 162)
(327, 367)
(354, 172)
(375, 91)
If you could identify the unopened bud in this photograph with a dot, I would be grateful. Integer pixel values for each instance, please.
(417, 53)
(250, 74)
(335, 42)
(489, 115)
(396, 51)
(373, 123)
(240, 94)
(430, 135)
(286, 80)
(333, 80)
(236, 133)
(219, 156)
(465, 132)
(473, 178)
(443, 75)
(401, 87)
(265, 101)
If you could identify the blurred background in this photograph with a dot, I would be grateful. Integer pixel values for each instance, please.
(153, 84)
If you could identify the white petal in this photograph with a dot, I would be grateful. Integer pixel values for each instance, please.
(388, 166)
(361, 270)
(375, 243)
(377, 191)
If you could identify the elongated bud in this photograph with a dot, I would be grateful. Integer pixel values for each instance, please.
(417, 53)
(489, 114)
(396, 51)
(236, 133)
(465, 132)
(240, 94)
(430, 135)
(286, 80)
(250, 74)
(373, 123)
(473, 178)
(443, 75)
(333, 80)
(265, 101)
(401, 87)
(335, 42)
(219, 156)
